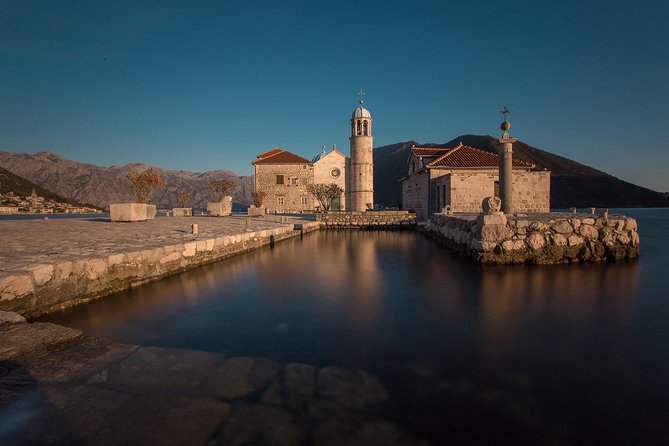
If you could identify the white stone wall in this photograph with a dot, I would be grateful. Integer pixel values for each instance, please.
(532, 192)
(469, 188)
(323, 172)
(292, 196)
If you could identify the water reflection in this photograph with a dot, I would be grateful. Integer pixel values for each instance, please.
(541, 353)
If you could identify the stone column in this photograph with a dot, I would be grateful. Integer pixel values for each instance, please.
(506, 172)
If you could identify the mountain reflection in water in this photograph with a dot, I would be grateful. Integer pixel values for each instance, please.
(521, 354)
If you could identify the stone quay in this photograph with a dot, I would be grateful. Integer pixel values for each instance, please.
(367, 220)
(48, 265)
(547, 238)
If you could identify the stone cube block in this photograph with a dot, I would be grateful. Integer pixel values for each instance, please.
(132, 211)
(182, 212)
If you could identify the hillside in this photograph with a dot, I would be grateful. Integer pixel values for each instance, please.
(88, 183)
(10, 182)
(572, 183)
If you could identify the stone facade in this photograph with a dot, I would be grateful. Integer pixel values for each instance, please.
(361, 164)
(540, 238)
(286, 186)
(332, 168)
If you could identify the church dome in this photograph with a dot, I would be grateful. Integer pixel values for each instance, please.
(319, 156)
(361, 112)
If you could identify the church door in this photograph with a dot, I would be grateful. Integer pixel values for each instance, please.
(335, 204)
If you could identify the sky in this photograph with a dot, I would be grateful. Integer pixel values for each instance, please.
(203, 85)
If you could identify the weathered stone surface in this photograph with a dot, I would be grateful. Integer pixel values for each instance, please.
(493, 233)
(273, 395)
(559, 240)
(9, 317)
(562, 227)
(513, 245)
(221, 208)
(491, 204)
(262, 425)
(182, 212)
(630, 224)
(354, 390)
(240, 377)
(164, 420)
(589, 231)
(18, 340)
(129, 212)
(497, 218)
(536, 241)
(15, 285)
(299, 385)
(162, 369)
(575, 240)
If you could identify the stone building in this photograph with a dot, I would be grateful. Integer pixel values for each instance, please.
(284, 176)
(332, 167)
(462, 176)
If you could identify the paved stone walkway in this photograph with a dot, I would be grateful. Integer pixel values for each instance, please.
(62, 388)
(26, 242)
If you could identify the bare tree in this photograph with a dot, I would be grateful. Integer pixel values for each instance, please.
(144, 184)
(184, 198)
(222, 188)
(257, 197)
(324, 193)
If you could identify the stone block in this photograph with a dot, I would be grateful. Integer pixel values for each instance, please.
(182, 212)
(536, 241)
(494, 218)
(562, 227)
(256, 212)
(221, 209)
(132, 212)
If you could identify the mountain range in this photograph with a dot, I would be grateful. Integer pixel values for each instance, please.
(99, 186)
(572, 183)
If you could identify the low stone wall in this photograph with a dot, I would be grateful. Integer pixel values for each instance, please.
(48, 287)
(538, 238)
(367, 220)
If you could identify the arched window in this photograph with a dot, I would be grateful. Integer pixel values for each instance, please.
(357, 127)
(364, 128)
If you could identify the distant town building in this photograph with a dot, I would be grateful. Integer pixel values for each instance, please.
(459, 178)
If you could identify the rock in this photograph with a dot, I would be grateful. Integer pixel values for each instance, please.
(163, 369)
(241, 377)
(513, 245)
(589, 231)
(559, 240)
(630, 224)
(355, 390)
(562, 227)
(9, 317)
(493, 233)
(261, 425)
(624, 239)
(535, 241)
(299, 382)
(607, 235)
(273, 394)
(575, 240)
(336, 432)
(538, 226)
(588, 221)
(497, 218)
(20, 340)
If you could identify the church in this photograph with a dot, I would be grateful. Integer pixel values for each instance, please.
(284, 176)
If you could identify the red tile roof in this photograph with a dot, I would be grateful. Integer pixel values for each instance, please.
(429, 151)
(280, 156)
(464, 156)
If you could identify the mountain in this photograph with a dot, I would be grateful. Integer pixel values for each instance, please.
(572, 183)
(10, 182)
(88, 183)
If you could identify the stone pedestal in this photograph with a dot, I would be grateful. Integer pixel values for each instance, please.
(132, 211)
(220, 209)
(256, 212)
(182, 212)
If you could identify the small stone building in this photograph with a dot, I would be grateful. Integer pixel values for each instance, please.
(331, 167)
(284, 176)
(462, 176)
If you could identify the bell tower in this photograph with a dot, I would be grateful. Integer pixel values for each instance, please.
(361, 165)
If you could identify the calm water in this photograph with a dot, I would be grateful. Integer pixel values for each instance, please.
(525, 355)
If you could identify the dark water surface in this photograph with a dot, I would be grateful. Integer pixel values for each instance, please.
(573, 354)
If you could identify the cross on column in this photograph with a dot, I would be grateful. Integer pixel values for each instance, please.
(505, 111)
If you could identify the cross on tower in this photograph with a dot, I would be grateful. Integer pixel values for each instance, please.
(361, 94)
(505, 111)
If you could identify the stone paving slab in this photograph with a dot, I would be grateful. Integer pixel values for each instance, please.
(84, 390)
(47, 265)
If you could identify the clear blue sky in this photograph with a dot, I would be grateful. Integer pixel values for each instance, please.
(208, 85)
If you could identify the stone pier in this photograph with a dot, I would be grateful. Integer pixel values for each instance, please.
(367, 220)
(537, 238)
(47, 265)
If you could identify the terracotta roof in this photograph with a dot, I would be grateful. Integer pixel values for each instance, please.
(429, 151)
(464, 156)
(274, 151)
(280, 156)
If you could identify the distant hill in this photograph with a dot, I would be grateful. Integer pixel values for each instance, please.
(572, 183)
(88, 183)
(10, 182)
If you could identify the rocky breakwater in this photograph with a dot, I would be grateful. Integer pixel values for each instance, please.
(539, 238)
(367, 220)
